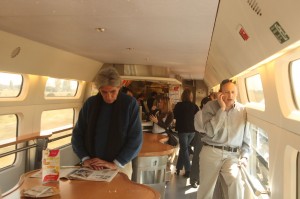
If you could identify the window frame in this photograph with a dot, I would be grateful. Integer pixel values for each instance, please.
(21, 87)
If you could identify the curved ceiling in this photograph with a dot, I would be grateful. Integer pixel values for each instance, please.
(168, 33)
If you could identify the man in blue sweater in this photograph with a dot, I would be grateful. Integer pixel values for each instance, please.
(108, 133)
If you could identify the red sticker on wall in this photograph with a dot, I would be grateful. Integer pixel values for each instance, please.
(243, 34)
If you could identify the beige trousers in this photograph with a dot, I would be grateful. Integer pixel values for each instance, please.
(213, 162)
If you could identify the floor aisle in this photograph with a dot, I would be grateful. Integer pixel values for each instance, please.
(179, 187)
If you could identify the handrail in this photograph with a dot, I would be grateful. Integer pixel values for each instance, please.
(30, 146)
(22, 139)
(60, 137)
(58, 129)
(256, 190)
(17, 150)
(41, 143)
(29, 137)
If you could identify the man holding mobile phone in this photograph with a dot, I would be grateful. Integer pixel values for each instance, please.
(226, 144)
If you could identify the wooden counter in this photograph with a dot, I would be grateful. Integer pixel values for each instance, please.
(119, 187)
(147, 126)
(153, 145)
(147, 123)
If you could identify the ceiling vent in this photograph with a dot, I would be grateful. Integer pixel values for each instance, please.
(255, 7)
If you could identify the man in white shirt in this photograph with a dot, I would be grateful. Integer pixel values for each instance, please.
(226, 144)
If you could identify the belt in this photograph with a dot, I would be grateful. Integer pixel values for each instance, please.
(226, 148)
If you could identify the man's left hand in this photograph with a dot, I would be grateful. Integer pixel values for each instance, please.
(243, 161)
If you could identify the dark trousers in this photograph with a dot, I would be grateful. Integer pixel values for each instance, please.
(183, 157)
(197, 143)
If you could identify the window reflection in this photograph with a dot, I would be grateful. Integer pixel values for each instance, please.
(255, 90)
(54, 120)
(8, 130)
(10, 85)
(295, 81)
(259, 160)
(60, 88)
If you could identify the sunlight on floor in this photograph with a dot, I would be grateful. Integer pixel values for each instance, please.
(190, 190)
(178, 186)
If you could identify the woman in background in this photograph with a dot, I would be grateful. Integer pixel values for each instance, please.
(127, 91)
(184, 113)
(163, 117)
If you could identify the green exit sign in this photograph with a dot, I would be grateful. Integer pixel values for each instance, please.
(279, 32)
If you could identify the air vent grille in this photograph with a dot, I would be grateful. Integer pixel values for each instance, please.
(255, 7)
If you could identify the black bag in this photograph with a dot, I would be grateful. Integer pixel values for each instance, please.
(173, 138)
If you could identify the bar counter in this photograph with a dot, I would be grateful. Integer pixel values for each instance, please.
(150, 167)
(153, 145)
(119, 187)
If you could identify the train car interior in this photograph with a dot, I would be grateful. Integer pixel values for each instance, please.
(50, 52)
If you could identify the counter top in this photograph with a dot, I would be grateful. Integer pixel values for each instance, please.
(147, 123)
(119, 187)
(153, 145)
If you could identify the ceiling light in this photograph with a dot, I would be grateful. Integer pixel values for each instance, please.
(100, 29)
(129, 49)
(15, 52)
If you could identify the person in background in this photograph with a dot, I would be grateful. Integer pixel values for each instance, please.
(163, 117)
(152, 102)
(108, 132)
(226, 144)
(184, 113)
(211, 96)
(194, 175)
(142, 102)
(127, 91)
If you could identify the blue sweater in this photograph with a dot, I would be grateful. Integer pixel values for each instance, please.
(130, 129)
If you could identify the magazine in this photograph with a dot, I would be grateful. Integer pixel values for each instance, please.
(83, 173)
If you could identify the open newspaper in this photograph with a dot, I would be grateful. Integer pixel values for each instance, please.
(82, 173)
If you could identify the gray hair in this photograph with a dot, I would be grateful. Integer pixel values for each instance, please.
(107, 76)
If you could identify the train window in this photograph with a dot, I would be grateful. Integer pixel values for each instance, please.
(8, 130)
(259, 159)
(94, 90)
(255, 90)
(60, 88)
(58, 122)
(10, 85)
(295, 81)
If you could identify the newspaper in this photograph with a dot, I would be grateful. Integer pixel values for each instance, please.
(40, 192)
(83, 173)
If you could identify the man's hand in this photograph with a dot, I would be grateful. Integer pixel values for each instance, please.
(243, 161)
(221, 102)
(98, 164)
